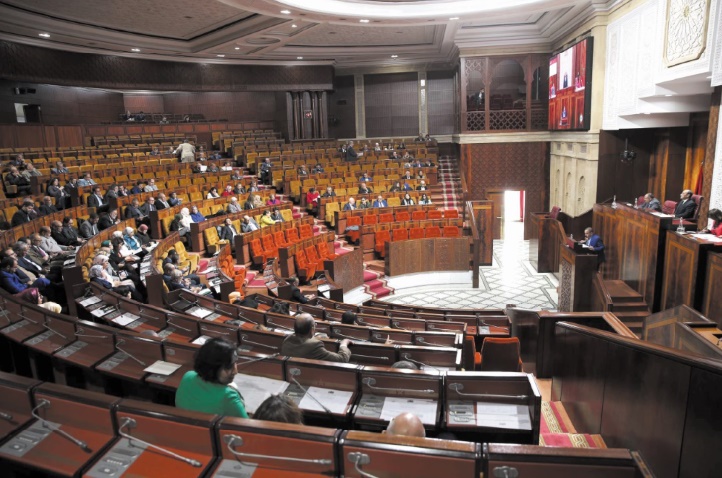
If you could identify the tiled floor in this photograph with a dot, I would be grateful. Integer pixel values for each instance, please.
(510, 280)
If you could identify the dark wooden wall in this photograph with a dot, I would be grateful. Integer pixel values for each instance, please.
(442, 99)
(61, 104)
(231, 106)
(392, 104)
(510, 166)
(342, 108)
(154, 103)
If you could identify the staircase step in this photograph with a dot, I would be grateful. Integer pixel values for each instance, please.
(620, 291)
(631, 307)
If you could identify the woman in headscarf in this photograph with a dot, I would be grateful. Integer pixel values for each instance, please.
(33, 296)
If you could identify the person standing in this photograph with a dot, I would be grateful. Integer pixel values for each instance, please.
(594, 243)
(187, 152)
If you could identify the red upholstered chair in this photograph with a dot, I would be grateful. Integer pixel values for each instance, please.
(500, 355)
(305, 231)
(386, 217)
(554, 213)
(691, 223)
(403, 216)
(435, 214)
(292, 235)
(433, 232)
(324, 253)
(381, 237)
(451, 214)
(399, 234)
(269, 246)
(416, 233)
(280, 239)
(258, 255)
(353, 235)
(668, 207)
(313, 258)
(370, 219)
(304, 268)
(451, 231)
(418, 215)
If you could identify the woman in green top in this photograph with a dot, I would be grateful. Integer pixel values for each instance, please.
(209, 387)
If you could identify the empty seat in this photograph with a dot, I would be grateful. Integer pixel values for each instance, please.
(451, 231)
(416, 233)
(381, 237)
(432, 232)
(435, 214)
(400, 234)
(418, 215)
(451, 214)
(403, 216)
(353, 228)
(500, 355)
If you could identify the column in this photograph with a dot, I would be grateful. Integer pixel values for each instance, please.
(423, 104)
(360, 106)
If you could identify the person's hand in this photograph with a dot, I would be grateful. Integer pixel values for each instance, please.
(346, 343)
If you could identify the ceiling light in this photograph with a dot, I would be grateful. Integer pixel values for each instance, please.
(135, 50)
(299, 58)
(646, 113)
(286, 12)
(221, 56)
(394, 56)
(667, 95)
(454, 18)
(363, 20)
(44, 35)
(294, 26)
(709, 77)
(238, 48)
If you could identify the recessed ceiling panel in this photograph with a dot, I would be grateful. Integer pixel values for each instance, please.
(178, 19)
(344, 35)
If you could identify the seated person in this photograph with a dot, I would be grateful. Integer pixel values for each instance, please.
(349, 318)
(209, 388)
(422, 186)
(213, 193)
(365, 178)
(364, 189)
(235, 298)
(312, 198)
(302, 171)
(716, 216)
(296, 294)
(12, 282)
(239, 189)
(273, 201)
(143, 236)
(424, 199)
(279, 408)
(21, 182)
(249, 224)
(380, 202)
(266, 219)
(276, 215)
(196, 215)
(406, 424)
(303, 344)
(350, 205)
(329, 192)
(364, 203)
(407, 200)
(234, 206)
(651, 203)
(396, 187)
(228, 192)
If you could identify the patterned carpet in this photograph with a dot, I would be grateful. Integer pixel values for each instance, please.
(557, 430)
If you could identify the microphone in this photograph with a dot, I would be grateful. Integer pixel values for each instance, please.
(268, 321)
(423, 341)
(408, 357)
(294, 372)
(131, 423)
(355, 339)
(235, 440)
(6, 416)
(249, 361)
(177, 326)
(395, 325)
(242, 317)
(56, 428)
(436, 327)
(53, 330)
(214, 332)
(378, 336)
(244, 340)
(370, 382)
(458, 387)
(117, 347)
(81, 333)
(358, 459)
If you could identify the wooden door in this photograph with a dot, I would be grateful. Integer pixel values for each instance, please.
(497, 197)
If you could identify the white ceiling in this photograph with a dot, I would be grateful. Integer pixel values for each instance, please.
(255, 31)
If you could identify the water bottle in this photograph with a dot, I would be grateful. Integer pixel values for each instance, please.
(680, 226)
(614, 202)
(636, 204)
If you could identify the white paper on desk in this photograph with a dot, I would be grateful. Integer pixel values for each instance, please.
(200, 312)
(256, 389)
(707, 237)
(101, 311)
(161, 367)
(502, 415)
(661, 214)
(125, 319)
(334, 400)
(423, 408)
(89, 301)
(200, 340)
(210, 269)
(69, 261)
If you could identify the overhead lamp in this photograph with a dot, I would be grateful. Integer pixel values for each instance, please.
(454, 18)
(299, 58)
(294, 26)
(136, 50)
(237, 48)
(286, 12)
(364, 20)
(221, 56)
(394, 56)
(44, 35)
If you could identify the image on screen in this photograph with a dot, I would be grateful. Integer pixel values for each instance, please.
(569, 87)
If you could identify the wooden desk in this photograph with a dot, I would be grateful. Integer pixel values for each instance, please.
(83, 415)
(635, 243)
(493, 406)
(685, 268)
(712, 301)
(268, 449)
(346, 270)
(419, 389)
(423, 255)
(575, 284)
(385, 455)
(15, 402)
(179, 431)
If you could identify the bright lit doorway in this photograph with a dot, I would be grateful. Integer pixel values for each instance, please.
(508, 213)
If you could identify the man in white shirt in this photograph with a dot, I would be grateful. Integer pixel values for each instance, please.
(150, 187)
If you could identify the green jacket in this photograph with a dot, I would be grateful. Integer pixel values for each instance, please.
(196, 394)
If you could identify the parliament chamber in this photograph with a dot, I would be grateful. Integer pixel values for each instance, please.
(500, 221)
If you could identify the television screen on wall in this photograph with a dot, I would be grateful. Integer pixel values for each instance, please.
(570, 75)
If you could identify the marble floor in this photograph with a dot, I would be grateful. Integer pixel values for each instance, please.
(509, 280)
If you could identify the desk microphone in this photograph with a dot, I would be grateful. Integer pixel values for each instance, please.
(244, 318)
(408, 357)
(244, 340)
(370, 382)
(423, 341)
(53, 330)
(235, 440)
(56, 428)
(249, 361)
(117, 347)
(435, 327)
(395, 325)
(81, 333)
(172, 324)
(6, 416)
(458, 387)
(268, 321)
(131, 423)
(294, 372)
(355, 339)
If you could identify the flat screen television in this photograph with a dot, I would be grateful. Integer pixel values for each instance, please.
(570, 94)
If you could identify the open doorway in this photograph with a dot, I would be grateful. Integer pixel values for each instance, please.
(508, 213)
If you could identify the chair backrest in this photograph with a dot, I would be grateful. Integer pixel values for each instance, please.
(292, 235)
(554, 213)
(382, 236)
(669, 207)
(451, 231)
(400, 234)
(416, 233)
(500, 355)
(386, 217)
(418, 215)
(306, 231)
(451, 214)
(433, 231)
(698, 201)
(353, 221)
(403, 216)
(370, 219)
(435, 214)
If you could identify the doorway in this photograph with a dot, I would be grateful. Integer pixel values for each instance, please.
(508, 213)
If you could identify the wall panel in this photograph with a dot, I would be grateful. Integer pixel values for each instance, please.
(342, 108)
(441, 95)
(392, 105)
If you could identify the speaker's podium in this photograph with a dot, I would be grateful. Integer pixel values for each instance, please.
(577, 267)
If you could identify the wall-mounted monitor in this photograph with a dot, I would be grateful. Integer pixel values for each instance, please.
(570, 94)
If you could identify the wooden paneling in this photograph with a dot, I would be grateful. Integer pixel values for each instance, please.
(422, 255)
(30, 135)
(392, 104)
(342, 108)
(712, 304)
(347, 270)
(709, 157)
(702, 428)
(442, 98)
(69, 135)
(146, 103)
